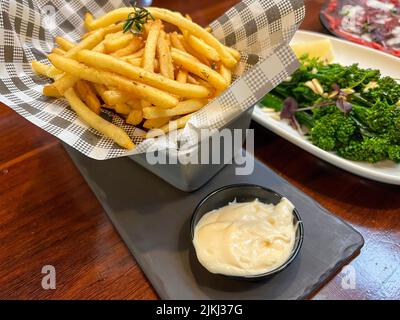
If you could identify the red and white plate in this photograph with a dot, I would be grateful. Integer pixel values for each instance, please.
(373, 23)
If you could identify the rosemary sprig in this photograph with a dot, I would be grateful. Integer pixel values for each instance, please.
(137, 19)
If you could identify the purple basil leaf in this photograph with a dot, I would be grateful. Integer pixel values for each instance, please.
(344, 105)
(290, 107)
(335, 87)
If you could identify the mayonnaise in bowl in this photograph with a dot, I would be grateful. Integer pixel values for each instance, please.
(247, 238)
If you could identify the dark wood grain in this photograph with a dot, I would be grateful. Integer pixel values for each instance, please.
(48, 215)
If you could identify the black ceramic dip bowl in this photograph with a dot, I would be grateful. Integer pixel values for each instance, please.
(247, 193)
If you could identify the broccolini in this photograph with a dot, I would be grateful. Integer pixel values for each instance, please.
(345, 109)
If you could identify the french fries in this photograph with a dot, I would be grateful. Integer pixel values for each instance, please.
(64, 44)
(151, 44)
(87, 94)
(170, 126)
(117, 43)
(68, 80)
(88, 43)
(172, 18)
(176, 42)
(196, 30)
(97, 122)
(58, 51)
(113, 97)
(192, 53)
(133, 46)
(225, 73)
(106, 20)
(137, 55)
(155, 123)
(100, 90)
(150, 77)
(88, 20)
(130, 71)
(40, 68)
(203, 48)
(234, 53)
(134, 104)
(134, 61)
(164, 56)
(78, 70)
(49, 90)
(135, 117)
(182, 76)
(184, 107)
(199, 69)
(122, 108)
(149, 53)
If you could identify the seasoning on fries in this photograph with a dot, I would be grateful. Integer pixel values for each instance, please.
(128, 63)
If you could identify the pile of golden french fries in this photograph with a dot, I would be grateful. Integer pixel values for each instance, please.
(150, 77)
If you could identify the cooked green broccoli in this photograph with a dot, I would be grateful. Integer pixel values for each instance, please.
(371, 149)
(382, 119)
(357, 116)
(318, 113)
(333, 131)
(394, 153)
(378, 118)
(387, 90)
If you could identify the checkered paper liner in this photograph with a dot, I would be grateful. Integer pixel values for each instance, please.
(260, 30)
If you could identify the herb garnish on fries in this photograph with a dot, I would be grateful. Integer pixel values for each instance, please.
(137, 19)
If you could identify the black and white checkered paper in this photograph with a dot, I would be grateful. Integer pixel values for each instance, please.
(260, 30)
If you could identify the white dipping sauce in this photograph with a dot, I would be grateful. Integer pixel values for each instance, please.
(244, 239)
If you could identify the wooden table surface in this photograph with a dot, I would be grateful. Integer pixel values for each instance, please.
(49, 216)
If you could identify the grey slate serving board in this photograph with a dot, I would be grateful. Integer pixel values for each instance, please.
(153, 218)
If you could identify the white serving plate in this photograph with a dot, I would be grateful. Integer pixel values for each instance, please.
(346, 53)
